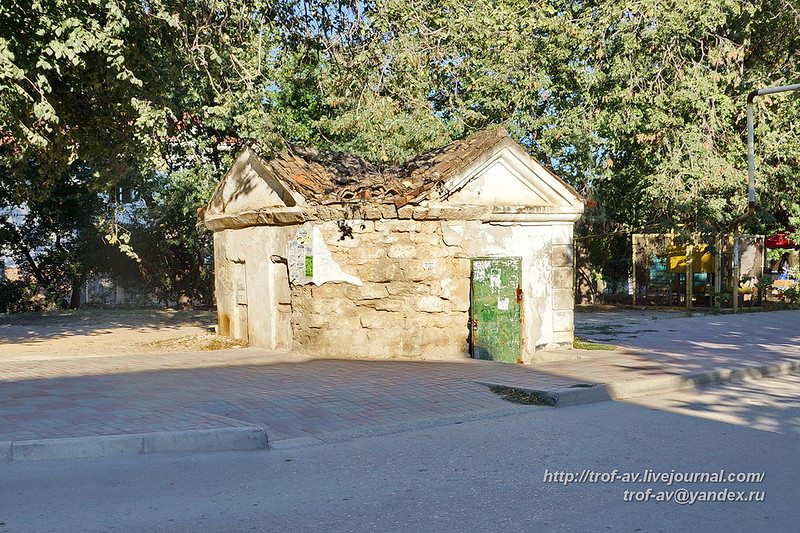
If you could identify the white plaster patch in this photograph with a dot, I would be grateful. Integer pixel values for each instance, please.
(310, 260)
(480, 239)
(452, 234)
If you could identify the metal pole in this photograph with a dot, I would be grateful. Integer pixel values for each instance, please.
(718, 272)
(751, 166)
(751, 172)
(751, 180)
(689, 275)
(633, 269)
(735, 280)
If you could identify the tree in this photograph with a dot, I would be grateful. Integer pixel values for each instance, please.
(56, 237)
(98, 95)
(175, 253)
(639, 105)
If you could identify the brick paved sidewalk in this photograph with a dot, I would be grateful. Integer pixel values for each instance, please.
(299, 399)
(292, 396)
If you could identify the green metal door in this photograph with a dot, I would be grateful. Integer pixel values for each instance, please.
(495, 310)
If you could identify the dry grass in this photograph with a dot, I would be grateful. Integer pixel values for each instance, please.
(582, 344)
(205, 341)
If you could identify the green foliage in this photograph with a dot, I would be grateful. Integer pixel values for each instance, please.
(788, 298)
(128, 93)
(639, 105)
(16, 296)
(724, 297)
(69, 87)
(775, 254)
(763, 286)
(521, 396)
(175, 253)
(791, 295)
(54, 237)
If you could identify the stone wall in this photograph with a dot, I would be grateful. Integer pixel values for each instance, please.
(414, 301)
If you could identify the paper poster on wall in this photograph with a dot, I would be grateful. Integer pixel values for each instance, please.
(310, 260)
(299, 252)
(495, 278)
(479, 270)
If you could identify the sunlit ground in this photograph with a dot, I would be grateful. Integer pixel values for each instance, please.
(724, 403)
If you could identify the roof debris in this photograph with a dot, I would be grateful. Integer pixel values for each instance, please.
(329, 177)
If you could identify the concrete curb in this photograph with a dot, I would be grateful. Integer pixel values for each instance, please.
(402, 427)
(192, 441)
(663, 384)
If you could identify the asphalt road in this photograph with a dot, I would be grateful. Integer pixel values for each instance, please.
(487, 475)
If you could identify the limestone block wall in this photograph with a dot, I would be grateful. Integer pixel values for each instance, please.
(547, 266)
(414, 301)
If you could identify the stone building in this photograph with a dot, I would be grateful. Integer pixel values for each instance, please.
(463, 251)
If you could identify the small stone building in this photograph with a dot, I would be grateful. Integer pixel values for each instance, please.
(462, 251)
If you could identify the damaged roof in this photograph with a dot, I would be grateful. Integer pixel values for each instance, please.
(328, 177)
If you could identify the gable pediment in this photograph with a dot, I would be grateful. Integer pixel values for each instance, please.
(249, 186)
(509, 177)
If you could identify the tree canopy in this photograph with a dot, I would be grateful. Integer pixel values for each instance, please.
(638, 104)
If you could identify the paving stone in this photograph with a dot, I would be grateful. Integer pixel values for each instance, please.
(148, 393)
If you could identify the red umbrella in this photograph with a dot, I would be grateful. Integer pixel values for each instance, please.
(780, 240)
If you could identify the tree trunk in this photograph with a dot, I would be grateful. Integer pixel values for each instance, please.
(75, 297)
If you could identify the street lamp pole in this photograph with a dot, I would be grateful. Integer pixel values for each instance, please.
(751, 181)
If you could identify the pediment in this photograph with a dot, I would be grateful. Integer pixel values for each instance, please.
(249, 186)
(509, 177)
(487, 177)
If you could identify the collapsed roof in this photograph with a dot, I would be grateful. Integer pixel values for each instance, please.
(329, 177)
(486, 177)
